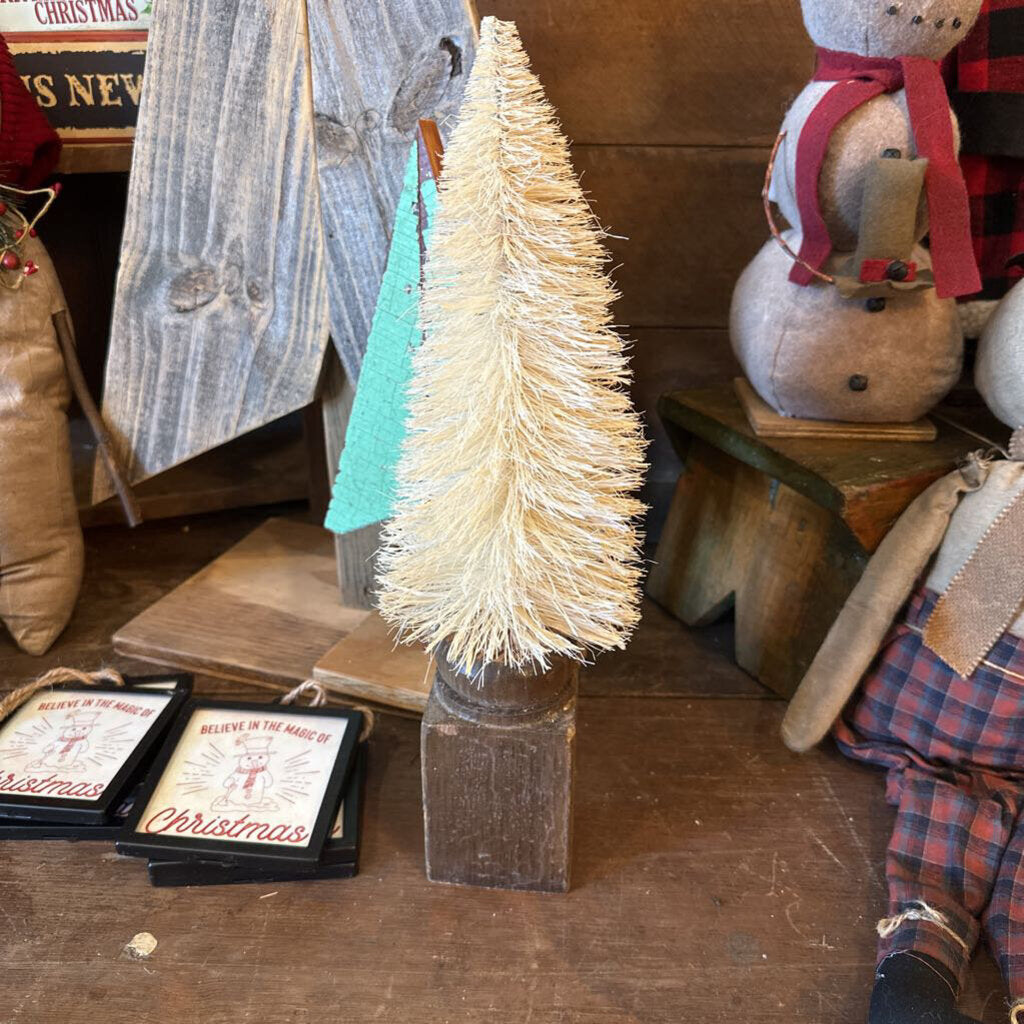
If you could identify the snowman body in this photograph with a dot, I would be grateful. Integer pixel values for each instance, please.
(70, 746)
(68, 750)
(248, 784)
(806, 350)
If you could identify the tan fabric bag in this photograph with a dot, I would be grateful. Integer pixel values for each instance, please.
(41, 551)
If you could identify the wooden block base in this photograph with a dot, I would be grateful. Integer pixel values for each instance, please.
(264, 612)
(766, 422)
(497, 789)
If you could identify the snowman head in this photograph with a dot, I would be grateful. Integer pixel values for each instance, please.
(80, 721)
(999, 369)
(256, 753)
(890, 28)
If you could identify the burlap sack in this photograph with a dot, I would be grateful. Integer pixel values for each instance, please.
(41, 551)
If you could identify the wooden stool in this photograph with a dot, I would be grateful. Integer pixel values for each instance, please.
(781, 528)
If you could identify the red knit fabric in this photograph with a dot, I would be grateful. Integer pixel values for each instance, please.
(29, 147)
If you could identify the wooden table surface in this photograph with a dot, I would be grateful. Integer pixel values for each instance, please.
(718, 878)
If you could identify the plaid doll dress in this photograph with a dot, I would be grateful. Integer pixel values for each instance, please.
(953, 748)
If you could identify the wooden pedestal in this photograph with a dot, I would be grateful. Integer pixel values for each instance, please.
(781, 528)
(498, 753)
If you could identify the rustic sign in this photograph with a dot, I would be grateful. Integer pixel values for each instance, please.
(82, 60)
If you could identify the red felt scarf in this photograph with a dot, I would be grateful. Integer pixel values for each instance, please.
(860, 79)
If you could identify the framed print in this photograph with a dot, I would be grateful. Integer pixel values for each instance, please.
(339, 859)
(247, 783)
(71, 753)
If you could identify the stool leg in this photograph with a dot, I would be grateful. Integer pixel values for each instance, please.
(735, 536)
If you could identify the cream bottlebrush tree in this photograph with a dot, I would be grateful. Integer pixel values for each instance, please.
(515, 531)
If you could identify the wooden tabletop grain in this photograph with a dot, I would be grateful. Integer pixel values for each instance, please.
(718, 877)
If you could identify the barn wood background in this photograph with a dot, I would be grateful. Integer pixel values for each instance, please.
(671, 113)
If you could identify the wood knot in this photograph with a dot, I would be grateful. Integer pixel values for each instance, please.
(424, 84)
(193, 289)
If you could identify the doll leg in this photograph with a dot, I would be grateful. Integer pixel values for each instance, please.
(1004, 919)
(941, 865)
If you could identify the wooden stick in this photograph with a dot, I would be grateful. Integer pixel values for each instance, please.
(62, 325)
(435, 147)
(429, 154)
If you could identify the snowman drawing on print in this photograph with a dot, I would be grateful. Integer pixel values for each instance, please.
(68, 750)
(248, 784)
(847, 315)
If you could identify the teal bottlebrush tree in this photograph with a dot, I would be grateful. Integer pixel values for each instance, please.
(515, 534)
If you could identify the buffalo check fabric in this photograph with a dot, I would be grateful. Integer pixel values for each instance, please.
(991, 58)
(996, 189)
(987, 86)
(953, 748)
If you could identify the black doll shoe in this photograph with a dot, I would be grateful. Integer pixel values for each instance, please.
(912, 988)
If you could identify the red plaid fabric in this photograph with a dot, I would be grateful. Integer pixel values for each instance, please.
(987, 85)
(954, 751)
(996, 189)
(991, 58)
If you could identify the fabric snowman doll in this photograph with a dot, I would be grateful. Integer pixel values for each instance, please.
(941, 708)
(247, 785)
(71, 744)
(850, 317)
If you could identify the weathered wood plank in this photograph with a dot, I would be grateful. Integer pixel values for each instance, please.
(377, 69)
(648, 72)
(355, 551)
(718, 878)
(865, 483)
(267, 466)
(262, 612)
(691, 220)
(220, 318)
(369, 664)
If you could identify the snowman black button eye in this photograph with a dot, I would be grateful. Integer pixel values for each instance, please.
(893, 10)
(957, 23)
(917, 19)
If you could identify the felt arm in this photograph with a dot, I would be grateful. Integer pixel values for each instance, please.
(856, 636)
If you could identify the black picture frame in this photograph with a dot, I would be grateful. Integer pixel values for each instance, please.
(340, 858)
(15, 808)
(168, 847)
